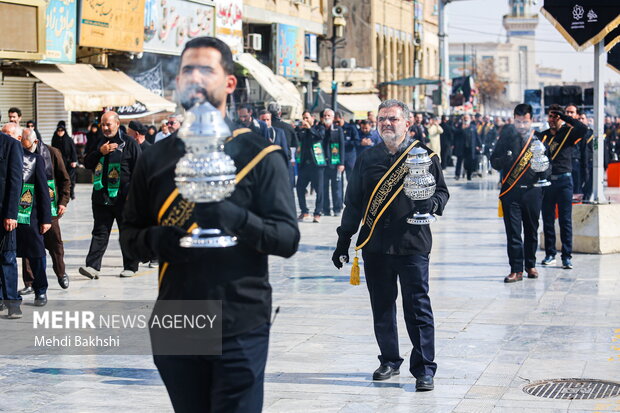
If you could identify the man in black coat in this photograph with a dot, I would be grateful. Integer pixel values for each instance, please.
(59, 185)
(310, 157)
(113, 163)
(333, 147)
(392, 248)
(289, 131)
(11, 163)
(260, 213)
(34, 218)
(520, 199)
(351, 143)
(64, 143)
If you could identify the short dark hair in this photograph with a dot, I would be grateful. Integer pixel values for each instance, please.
(523, 109)
(246, 106)
(206, 41)
(555, 107)
(365, 122)
(16, 110)
(575, 106)
(264, 112)
(306, 111)
(338, 114)
(31, 122)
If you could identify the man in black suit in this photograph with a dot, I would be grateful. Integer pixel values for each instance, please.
(275, 135)
(11, 164)
(291, 136)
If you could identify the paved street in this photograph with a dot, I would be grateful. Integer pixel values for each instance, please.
(492, 338)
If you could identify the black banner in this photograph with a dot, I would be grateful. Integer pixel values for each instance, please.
(582, 22)
(613, 58)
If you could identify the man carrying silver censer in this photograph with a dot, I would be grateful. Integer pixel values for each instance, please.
(234, 185)
(522, 160)
(392, 249)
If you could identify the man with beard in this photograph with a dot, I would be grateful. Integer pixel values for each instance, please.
(260, 213)
(113, 164)
(59, 187)
(33, 214)
(564, 131)
(520, 199)
(392, 249)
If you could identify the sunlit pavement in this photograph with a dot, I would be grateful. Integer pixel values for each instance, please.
(491, 338)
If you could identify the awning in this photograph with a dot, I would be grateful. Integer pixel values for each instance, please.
(360, 104)
(83, 87)
(278, 87)
(411, 81)
(154, 103)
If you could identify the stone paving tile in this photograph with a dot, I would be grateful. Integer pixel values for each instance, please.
(492, 338)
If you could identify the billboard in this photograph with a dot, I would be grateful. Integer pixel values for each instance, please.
(229, 26)
(169, 25)
(289, 50)
(60, 30)
(112, 24)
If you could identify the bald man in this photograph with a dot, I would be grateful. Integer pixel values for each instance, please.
(112, 163)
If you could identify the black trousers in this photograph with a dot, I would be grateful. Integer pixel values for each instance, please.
(577, 179)
(332, 180)
(559, 193)
(104, 216)
(54, 245)
(73, 177)
(310, 174)
(521, 212)
(381, 272)
(230, 383)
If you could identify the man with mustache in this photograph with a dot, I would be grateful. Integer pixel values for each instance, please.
(260, 213)
(391, 248)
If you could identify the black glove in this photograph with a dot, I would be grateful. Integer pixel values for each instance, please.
(424, 206)
(342, 249)
(224, 215)
(164, 243)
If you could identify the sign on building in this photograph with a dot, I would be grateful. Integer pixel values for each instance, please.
(112, 24)
(289, 50)
(169, 25)
(60, 30)
(229, 25)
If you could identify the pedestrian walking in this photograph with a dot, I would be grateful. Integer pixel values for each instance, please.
(64, 143)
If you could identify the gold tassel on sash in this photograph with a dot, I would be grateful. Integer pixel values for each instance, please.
(500, 209)
(355, 271)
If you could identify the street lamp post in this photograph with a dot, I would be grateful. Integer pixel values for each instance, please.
(338, 25)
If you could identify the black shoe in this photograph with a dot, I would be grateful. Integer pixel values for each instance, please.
(385, 372)
(25, 291)
(424, 383)
(64, 282)
(40, 300)
(14, 313)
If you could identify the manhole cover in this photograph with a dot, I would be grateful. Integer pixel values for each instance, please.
(573, 389)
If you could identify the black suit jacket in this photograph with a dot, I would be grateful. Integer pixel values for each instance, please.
(11, 163)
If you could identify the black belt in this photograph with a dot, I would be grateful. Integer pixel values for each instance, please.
(556, 177)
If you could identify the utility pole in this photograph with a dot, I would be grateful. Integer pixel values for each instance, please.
(444, 63)
(338, 25)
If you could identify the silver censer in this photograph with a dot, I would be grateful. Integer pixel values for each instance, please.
(540, 161)
(205, 173)
(419, 183)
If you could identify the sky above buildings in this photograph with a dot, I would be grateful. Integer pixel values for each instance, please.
(481, 21)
